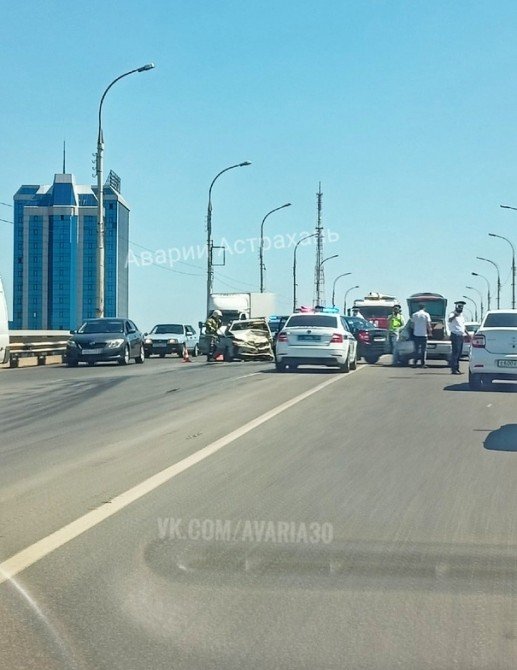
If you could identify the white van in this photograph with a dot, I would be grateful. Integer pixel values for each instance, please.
(4, 327)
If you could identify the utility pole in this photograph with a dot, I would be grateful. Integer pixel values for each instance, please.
(319, 275)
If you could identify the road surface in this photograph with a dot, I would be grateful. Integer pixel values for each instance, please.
(188, 516)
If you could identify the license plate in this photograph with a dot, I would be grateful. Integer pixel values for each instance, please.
(431, 346)
(160, 344)
(92, 351)
(309, 338)
(379, 339)
(509, 363)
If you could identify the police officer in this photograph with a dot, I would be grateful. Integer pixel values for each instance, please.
(395, 323)
(458, 332)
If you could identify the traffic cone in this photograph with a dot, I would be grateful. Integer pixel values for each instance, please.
(186, 356)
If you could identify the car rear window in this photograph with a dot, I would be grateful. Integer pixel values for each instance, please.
(501, 320)
(312, 321)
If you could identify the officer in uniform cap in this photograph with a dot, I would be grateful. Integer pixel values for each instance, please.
(458, 332)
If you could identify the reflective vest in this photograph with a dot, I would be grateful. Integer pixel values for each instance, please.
(395, 321)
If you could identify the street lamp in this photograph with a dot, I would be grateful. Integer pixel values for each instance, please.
(209, 270)
(467, 297)
(261, 254)
(473, 288)
(294, 266)
(100, 195)
(334, 287)
(487, 260)
(476, 274)
(346, 295)
(513, 257)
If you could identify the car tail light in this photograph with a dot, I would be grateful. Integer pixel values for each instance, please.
(337, 337)
(282, 337)
(478, 342)
(363, 336)
(466, 338)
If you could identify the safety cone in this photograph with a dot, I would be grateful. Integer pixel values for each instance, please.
(186, 356)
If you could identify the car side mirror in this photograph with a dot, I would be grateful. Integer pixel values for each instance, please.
(131, 331)
(146, 334)
(73, 332)
(200, 324)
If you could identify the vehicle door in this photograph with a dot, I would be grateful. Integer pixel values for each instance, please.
(133, 338)
(191, 337)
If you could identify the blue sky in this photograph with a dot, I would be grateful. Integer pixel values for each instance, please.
(405, 111)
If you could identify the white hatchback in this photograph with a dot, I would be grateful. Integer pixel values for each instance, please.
(316, 339)
(493, 350)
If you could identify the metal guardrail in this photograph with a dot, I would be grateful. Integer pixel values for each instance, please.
(36, 344)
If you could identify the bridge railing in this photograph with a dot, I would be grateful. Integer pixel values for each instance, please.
(36, 344)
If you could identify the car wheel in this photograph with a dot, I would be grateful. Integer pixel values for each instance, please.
(371, 358)
(147, 354)
(72, 364)
(280, 367)
(227, 357)
(353, 364)
(141, 358)
(162, 355)
(125, 358)
(346, 365)
(195, 351)
(91, 364)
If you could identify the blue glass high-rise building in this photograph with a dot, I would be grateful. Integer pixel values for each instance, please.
(55, 254)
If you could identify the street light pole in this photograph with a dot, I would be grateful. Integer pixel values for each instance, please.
(346, 296)
(513, 257)
(473, 288)
(476, 274)
(467, 297)
(209, 269)
(487, 260)
(294, 266)
(99, 165)
(261, 253)
(334, 287)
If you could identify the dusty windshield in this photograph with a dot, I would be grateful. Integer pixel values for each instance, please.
(101, 327)
(163, 329)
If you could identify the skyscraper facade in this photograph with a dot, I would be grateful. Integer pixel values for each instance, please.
(55, 254)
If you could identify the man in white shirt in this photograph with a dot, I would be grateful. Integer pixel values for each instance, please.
(421, 330)
(458, 332)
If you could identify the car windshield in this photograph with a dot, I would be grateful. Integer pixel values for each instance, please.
(501, 320)
(374, 311)
(311, 321)
(472, 327)
(102, 326)
(435, 309)
(164, 328)
(358, 324)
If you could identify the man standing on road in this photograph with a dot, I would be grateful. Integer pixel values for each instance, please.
(212, 325)
(458, 332)
(395, 323)
(421, 330)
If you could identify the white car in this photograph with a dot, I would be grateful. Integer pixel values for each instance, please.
(316, 339)
(493, 350)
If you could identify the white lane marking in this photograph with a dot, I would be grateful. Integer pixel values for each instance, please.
(251, 374)
(489, 404)
(35, 552)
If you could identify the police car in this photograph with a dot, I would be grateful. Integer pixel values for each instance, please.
(316, 337)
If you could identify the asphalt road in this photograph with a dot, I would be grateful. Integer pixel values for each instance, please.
(189, 516)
